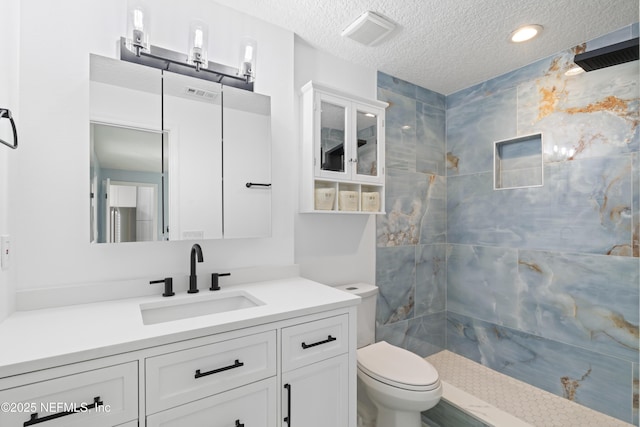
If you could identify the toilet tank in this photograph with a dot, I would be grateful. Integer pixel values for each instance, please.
(366, 311)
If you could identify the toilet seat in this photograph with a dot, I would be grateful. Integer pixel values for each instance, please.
(397, 367)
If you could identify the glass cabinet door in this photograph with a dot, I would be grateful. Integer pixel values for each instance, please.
(366, 143)
(332, 136)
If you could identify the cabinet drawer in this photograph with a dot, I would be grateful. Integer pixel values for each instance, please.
(314, 341)
(252, 405)
(177, 378)
(69, 401)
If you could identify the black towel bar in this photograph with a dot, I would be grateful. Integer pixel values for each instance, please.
(5, 113)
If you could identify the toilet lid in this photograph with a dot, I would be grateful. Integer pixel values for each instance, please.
(397, 367)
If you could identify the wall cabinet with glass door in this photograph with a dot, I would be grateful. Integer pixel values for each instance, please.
(342, 152)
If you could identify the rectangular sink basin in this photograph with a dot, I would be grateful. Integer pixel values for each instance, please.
(168, 311)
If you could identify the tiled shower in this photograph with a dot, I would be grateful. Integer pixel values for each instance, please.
(541, 283)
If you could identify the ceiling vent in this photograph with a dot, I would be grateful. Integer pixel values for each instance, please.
(369, 29)
(608, 56)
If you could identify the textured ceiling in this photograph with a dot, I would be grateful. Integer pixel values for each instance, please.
(446, 45)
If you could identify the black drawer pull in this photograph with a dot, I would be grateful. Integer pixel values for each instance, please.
(287, 419)
(256, 184)
(239, 424)
(237, 364)
(329, 339)
(36, 420)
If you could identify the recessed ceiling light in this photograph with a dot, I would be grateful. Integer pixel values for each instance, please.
(526, 32)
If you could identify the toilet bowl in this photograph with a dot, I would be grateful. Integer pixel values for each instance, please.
(398, 384)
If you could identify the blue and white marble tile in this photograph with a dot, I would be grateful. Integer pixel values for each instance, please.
(584, 206)
(396, 85)
(590, 301)
(482, 283)
(498, 84)
(588, 115)
(472, 129)
(431, 98)
(636, 393)
(635, 173)
(416, 211)
(430, 139)
(595, 380)
(424, 335)
(431, 279)
(395, 278)
(400, 131)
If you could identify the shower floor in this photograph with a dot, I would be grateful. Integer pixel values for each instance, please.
(495, 399)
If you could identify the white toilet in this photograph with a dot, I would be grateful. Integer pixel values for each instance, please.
(398, 382)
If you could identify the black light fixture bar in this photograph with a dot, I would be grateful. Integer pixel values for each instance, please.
(176, 62)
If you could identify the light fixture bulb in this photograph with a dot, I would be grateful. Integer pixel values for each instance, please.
(198, 44)
(138, 19)
(137, 40)
(248, 54)
(525, 33)
(197, 38)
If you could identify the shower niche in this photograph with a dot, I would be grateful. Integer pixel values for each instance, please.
(517, 162)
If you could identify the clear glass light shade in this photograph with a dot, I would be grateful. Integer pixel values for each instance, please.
(137, 26)
(248, 55)
(198, 44)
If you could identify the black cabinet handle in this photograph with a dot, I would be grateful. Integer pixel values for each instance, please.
(239, 424)
(256, 184)
(36, 420)
(237, 364)
(287, 419)
(329, 339)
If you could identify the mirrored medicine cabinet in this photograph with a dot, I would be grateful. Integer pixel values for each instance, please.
(173, 157)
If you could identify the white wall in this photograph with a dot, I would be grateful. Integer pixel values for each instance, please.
(9, 19)
(334, 249)
(50, 173)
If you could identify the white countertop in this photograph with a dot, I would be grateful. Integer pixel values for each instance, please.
(40, 339)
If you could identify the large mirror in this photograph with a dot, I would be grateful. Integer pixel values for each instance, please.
(158, 153)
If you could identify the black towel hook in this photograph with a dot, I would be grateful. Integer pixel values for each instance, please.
(5, 113)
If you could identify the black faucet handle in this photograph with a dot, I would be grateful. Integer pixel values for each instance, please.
(214, 280)
(168, 286)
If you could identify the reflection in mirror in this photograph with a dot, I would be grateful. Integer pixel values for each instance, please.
(126, 184)
(125, 152)
(193, 123)
(367, 125)
(332, 137)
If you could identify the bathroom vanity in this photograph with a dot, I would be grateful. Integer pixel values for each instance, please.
(274, 353)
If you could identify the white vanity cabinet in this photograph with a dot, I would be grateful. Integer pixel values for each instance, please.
(251, 405)
(315, 378)
(292, 357)
(180, 377)
(343, 146)
(95, 395)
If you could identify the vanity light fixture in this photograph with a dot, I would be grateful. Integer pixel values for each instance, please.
(525, 33)
(369, 115)
(135, 47)
(198, 44)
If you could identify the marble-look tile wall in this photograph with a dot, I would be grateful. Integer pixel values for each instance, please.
(411, 253)
(540, 283)
(543, 282)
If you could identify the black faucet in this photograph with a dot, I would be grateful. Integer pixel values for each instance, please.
(193, 279)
